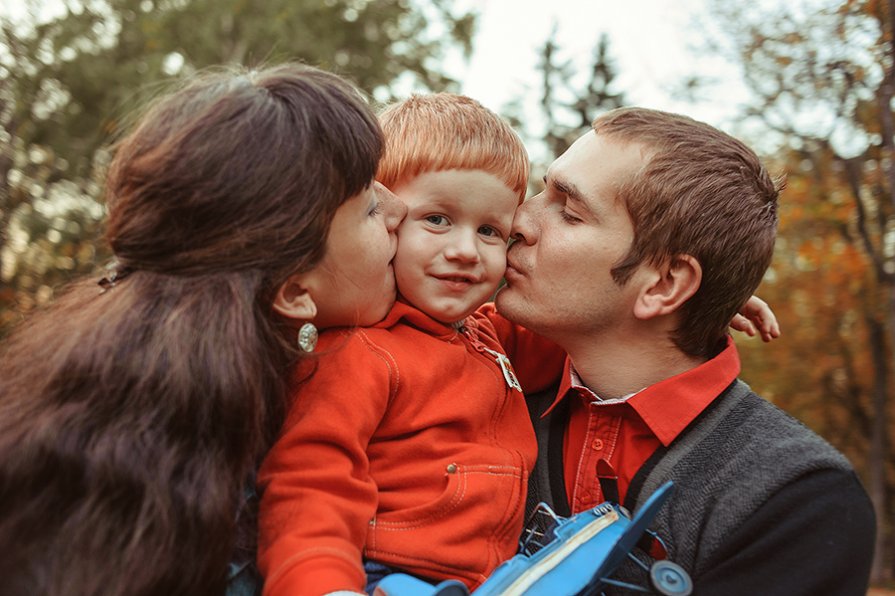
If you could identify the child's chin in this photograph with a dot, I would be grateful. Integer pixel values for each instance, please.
(452, 317)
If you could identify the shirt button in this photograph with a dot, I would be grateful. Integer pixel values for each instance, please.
(452, 468)
(597, 444)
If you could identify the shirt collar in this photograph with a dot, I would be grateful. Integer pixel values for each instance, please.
(668, 406)
(577, 383)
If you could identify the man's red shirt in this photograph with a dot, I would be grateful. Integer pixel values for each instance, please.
(627, 431)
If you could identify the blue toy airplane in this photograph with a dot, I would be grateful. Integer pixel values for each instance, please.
(567, 556)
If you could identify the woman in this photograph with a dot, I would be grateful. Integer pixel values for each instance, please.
(132, 414)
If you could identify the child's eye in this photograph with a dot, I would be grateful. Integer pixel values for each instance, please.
(376, 209)
(437, 220)
(489, 231)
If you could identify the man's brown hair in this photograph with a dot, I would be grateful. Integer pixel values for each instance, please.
(445, 131)
(703, 193)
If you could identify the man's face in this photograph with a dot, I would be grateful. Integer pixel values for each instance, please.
(568, 239)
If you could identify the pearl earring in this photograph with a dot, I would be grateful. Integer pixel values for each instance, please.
(307, 337)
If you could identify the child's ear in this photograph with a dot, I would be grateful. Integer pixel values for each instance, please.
(668, 287)
(293, 300)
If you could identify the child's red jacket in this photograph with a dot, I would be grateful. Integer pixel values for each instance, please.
(406, 446)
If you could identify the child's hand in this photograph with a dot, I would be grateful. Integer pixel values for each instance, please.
(756, 316)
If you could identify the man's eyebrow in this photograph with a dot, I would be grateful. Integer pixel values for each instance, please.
(566, 188)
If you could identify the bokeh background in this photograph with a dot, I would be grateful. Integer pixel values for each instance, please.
(809, 83)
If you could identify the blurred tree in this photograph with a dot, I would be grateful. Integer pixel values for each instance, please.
(70, 78)
(823, 79)
(568, 108)
(567, 103)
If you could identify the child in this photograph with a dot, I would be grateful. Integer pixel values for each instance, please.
(410, 445)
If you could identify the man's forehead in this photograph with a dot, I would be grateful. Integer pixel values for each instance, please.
(569, 172)
(593, 162)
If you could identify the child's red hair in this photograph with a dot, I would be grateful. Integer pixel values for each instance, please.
(445, 131)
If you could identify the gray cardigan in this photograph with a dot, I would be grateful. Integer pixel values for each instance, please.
(762, 505)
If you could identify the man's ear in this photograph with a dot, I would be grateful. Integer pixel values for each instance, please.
(293, 300)
(668, 287)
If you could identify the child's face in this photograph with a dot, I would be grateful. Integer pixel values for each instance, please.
(452, 246)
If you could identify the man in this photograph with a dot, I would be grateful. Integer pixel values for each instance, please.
(652, 231)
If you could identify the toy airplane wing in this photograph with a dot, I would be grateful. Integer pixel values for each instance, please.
(578, 557)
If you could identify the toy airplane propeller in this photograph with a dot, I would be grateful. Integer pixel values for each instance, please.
(573, 556)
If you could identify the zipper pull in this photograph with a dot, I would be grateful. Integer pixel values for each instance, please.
(507, 368)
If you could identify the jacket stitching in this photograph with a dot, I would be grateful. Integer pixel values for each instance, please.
(389, 360)
(460, 492)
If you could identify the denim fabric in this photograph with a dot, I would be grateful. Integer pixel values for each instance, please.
(243, 578)
(376, 572)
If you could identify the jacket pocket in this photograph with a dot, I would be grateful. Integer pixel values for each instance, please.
(471, 527)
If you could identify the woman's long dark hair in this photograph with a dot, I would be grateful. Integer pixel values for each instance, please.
(130, 418)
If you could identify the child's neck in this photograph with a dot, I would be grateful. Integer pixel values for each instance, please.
(458, 325)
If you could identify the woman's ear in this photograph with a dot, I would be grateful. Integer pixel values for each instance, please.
(293, 300)
(670, 286)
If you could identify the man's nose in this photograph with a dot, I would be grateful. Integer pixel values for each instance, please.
(524, 227)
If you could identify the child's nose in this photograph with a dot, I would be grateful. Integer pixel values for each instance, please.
(462, 247)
